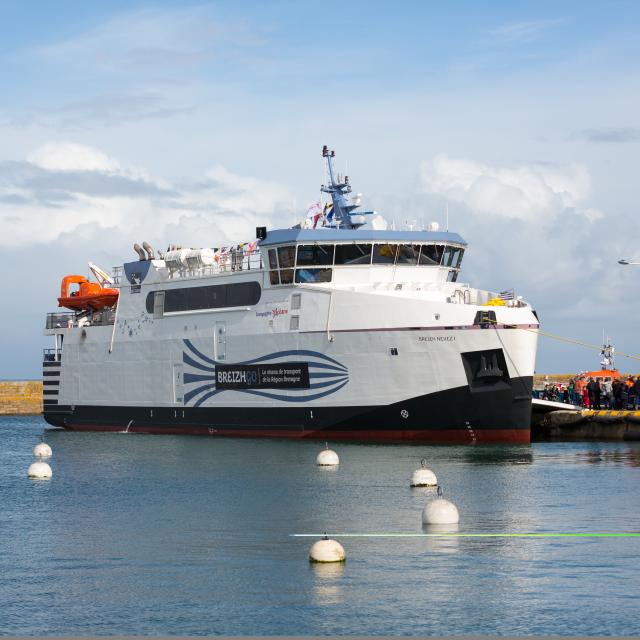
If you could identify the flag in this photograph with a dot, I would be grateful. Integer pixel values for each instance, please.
(314, 211)
(509, 294)
(328, 211)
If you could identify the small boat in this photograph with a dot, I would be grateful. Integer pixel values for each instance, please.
(90, 296)
(607, 372)
(604, 375)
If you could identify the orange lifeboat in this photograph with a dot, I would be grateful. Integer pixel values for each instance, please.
(602, 375)
(90, 296)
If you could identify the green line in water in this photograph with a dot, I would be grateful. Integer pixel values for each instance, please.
(617, 534)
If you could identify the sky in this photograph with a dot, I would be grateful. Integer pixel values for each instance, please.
(193, 123)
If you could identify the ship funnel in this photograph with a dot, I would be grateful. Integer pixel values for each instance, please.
(138, 249)
(149, 249)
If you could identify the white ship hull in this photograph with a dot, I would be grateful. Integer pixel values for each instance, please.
(381, 365)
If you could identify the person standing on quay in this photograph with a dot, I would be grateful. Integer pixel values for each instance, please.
(591, 388)
(596, 394)
(616, 390)
(606, 394)
(578, 389)
(585, 397)
(631, 388)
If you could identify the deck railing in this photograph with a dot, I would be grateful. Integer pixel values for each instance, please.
(51, 355)
(60, 320)
(232, 261)
(68, 319)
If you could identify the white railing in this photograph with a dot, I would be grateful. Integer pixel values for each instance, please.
(230, 262)
(226, 263)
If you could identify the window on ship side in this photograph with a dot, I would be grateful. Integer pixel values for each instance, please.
(223, 296)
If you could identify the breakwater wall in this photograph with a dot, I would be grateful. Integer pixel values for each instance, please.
(23, 397)
(586, 425)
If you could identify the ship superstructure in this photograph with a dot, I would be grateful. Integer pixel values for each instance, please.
(342, 331)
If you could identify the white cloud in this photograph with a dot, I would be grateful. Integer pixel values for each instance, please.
(67, 190)
(72, 157)
(533, 227)
(526, 192)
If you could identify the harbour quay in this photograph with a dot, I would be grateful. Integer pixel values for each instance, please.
(553, 417)
(573, 423)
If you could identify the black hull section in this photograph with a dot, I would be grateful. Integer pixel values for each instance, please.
(498, 413)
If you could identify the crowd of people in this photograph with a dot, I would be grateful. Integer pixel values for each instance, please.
(592, 393)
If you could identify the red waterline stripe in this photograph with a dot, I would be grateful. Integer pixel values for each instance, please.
(441, 436)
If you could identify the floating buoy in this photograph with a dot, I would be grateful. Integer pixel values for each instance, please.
(42, 451)
(40, 470)
(326, 550)
(327, 457)
(440, 511)
(423, 477)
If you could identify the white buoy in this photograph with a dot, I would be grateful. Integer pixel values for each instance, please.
(42, 451)
(327, 458)
(326, 550)
(423, 477)
(440, 511)
(40, 470)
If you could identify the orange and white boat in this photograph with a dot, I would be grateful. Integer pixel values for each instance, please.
(88, 296)
(607, 371)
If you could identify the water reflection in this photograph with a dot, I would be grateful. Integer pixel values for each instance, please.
(498, 454)
(441, 543)
(627, 457)
(327, 588)
(427, 492)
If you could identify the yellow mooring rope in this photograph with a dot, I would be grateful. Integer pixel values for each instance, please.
(580, 343)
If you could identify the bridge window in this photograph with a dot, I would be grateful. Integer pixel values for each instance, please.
(313, 275)
(384, 253)
(431, 254)
(315, 255)
(286, 260)
(353, 254)
(408, 254)
(286, 257)
(274, 276)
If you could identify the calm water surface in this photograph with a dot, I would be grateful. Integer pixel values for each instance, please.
(139, 534)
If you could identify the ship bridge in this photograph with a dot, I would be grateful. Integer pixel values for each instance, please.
(304, 256)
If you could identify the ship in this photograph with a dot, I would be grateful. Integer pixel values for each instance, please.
(339, 328)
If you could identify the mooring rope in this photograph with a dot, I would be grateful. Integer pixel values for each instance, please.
(580, 343)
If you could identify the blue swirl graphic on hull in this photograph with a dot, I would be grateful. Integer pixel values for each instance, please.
(325, 375)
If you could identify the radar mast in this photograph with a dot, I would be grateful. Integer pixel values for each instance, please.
(338, 188)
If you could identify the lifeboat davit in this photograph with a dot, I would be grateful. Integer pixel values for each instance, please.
(90, 296)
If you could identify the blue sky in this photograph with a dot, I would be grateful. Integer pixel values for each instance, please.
(189, 123)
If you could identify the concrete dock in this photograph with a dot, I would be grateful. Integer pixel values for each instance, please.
(585, 424)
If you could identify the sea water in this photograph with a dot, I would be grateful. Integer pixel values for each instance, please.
(140, 534)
